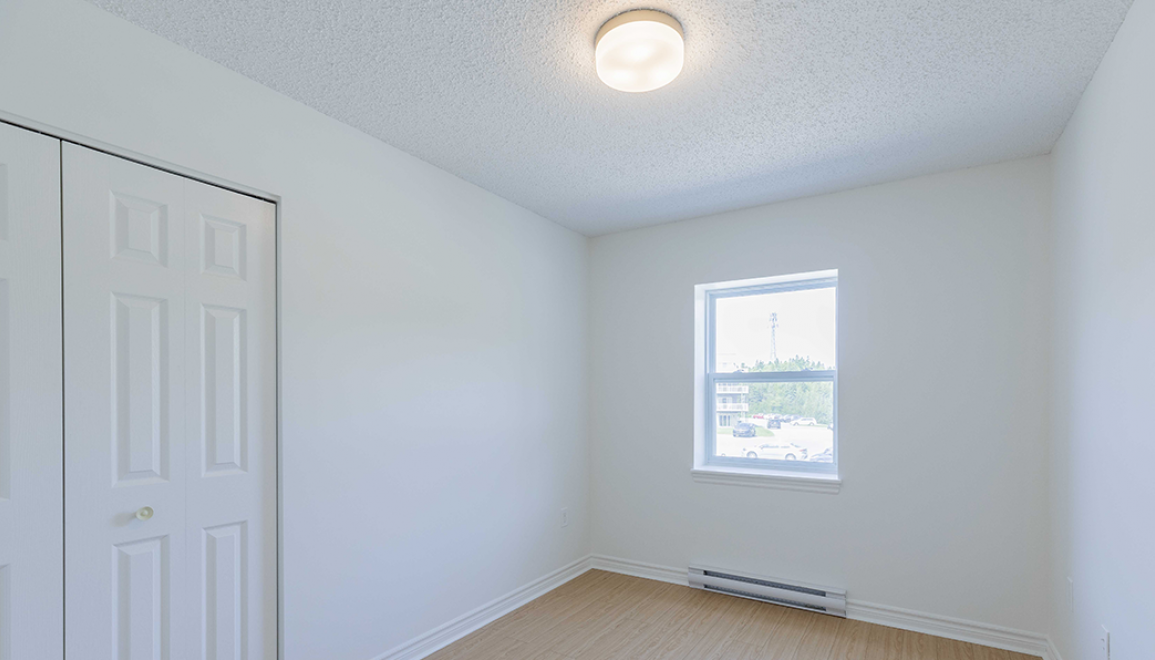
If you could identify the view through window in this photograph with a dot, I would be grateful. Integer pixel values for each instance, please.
(771, 375)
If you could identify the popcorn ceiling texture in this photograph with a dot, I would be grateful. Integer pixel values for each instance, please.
(778, 98)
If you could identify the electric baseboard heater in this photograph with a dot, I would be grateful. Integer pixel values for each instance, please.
(778, 592)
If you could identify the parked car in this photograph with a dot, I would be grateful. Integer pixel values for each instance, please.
(744, 430)
(805, 421)
(825, 456)
(777, 451)
(773, 424)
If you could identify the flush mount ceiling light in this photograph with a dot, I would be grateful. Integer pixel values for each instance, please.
(639, 51)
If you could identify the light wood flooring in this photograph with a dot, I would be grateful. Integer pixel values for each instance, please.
(606, 616)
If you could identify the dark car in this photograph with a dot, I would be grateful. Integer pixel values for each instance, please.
(744, 430)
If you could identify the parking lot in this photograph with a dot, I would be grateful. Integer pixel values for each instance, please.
(815, 439)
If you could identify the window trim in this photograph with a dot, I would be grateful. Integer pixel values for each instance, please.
(709, 468)
(808, 483)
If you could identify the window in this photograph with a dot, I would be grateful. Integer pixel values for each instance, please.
(767, 381)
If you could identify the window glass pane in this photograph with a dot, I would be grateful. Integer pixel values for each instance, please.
(786, 331)
(775, 421)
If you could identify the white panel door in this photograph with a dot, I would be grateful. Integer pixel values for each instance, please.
(170, 445)
(31, 513)
(230, 341)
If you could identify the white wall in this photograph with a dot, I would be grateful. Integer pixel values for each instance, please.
(943, 306)
(1104, 376)
(434, 389)
(434, 361)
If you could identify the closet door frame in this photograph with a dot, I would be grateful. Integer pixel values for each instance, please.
(66, 136)
(31, 397)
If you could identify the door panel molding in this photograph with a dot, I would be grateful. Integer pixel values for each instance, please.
(60, 136)
(171, 350)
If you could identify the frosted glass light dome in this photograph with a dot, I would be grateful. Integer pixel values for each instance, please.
(639, 51)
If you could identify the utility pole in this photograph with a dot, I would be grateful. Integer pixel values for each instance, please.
(774, 336)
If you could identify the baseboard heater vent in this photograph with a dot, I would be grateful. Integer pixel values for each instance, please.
(802, 596)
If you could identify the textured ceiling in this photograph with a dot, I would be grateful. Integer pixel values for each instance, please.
(778, 98)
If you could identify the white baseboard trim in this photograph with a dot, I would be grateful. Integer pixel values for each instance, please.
(446, 634)
(984, 634)
(640, 569)
(962, 630)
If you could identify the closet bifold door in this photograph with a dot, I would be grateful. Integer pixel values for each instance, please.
(170, 415)
(31, 507)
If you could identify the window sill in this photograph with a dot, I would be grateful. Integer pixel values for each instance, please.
(807, 483)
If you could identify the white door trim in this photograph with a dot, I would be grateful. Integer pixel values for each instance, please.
(144, 159)
(31, 401)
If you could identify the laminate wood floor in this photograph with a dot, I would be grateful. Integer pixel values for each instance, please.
(606, 616)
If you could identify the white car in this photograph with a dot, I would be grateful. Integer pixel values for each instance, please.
(777, 451)
(825, 456)
(805, 421)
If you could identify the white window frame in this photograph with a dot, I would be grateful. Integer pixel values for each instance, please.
(709, 468)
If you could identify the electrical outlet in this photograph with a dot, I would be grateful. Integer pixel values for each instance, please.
(1104, 643)
(565, 517)
(1071, 594)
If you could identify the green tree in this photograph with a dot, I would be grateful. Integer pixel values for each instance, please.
(814, 399)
